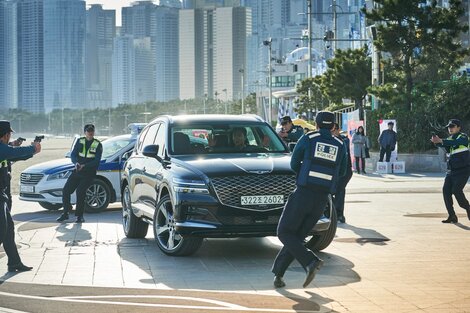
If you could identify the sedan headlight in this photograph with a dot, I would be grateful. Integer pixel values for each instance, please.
(189, 186)
(60, 175)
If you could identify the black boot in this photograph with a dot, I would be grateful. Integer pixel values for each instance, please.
(19, 268)
(312, 269)
(278, 282)
(451, 219)
(63, 217)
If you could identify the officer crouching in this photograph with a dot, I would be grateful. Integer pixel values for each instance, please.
(318, 160)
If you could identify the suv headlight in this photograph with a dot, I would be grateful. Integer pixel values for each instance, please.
(189, 186)
(60, 175)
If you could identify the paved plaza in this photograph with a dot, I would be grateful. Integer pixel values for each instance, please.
(392, 255)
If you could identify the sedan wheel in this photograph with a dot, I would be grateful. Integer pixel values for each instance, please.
(98, 196)
(168, 239)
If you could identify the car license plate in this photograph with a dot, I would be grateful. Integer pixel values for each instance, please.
(27, 188)
(257, 200)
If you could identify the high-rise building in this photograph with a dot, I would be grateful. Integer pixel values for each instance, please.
(64, 54)
(213, 51)
(123, 64)
(164, 36)
(8, 55)
(136, 19)
(30, 56)
(101, 30)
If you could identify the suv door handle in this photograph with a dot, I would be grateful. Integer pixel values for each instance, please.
(129, 167)
(144, 169)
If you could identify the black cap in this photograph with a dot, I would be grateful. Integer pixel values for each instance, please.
(286, 119)
(89, 127)
(454, 122)
(5, 127)
(325, 119)
(390, 123)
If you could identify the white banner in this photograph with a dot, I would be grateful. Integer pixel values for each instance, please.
(383, 125)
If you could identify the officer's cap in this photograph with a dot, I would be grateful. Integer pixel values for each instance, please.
(89, 127)
(325, 119)
(453, 122)
(391, 123)
(286, 119)
(5, 127)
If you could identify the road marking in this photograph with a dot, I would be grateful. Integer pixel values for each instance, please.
(224, 306)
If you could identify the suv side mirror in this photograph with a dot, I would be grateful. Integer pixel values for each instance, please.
(150, 151)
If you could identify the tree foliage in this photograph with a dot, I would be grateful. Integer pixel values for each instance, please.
(422, 39)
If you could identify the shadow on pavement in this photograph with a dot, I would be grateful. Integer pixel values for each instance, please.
(366, 235)
(72, 234)
(228, 264)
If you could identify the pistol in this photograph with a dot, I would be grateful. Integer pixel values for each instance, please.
(38, 138)
(21, 139)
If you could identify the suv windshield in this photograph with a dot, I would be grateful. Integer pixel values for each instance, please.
(218, 138)
(113, 145)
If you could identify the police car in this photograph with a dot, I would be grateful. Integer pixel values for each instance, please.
(43, 183)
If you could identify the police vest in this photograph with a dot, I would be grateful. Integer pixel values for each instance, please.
(459, 155)
(91, 153)
(320, 168)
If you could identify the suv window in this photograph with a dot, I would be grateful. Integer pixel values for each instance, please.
(150, 136)
(138, 146)
(223, 138)
(160, 140)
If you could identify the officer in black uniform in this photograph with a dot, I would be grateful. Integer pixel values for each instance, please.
(340, 195)
(290, 132)
(458, 168)
(7, 229)
(318, 159)
(86, 155)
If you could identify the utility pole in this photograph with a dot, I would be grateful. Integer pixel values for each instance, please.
(268, 43)
(335, 25)
(109, 121)
(242, 71)
(309, 25)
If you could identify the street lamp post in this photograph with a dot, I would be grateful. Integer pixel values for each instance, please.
(242, 71)
(204, 103)
(268, 43)
(226, 99)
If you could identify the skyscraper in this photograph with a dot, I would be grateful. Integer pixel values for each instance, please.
(123, 70)
(64, 54)
(164, 35)
(30, 56)
(213, 50)
(101, 30)
(8, 54)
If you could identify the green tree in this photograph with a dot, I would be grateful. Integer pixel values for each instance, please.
(419, 35)
(311, 97)
(348, 76)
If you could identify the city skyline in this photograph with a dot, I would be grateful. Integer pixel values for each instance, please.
(112, 5)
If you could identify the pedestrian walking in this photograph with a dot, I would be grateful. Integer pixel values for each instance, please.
(339, 197)
(7, 228)
(86, 155)
(360, 145)
(458, 168)
(318, 160)
(387, 141)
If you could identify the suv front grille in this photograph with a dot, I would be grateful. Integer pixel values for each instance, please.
(30, 179)
(230, 189)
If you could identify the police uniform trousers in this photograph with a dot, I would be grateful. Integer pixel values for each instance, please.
(387, 151)
(301, 212)
(80, 182)
(454, 184)
(7, 234)
(341, 192)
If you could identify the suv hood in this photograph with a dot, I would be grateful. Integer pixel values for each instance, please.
(213, 166)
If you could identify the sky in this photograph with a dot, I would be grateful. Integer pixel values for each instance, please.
(113, 5)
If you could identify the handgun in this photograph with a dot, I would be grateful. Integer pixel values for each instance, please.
(21, 139)
(38, 138)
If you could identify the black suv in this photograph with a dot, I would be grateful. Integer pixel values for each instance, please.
(219, 176)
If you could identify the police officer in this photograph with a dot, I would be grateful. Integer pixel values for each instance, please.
(86, 155)
(458, 168)
(343, 180)
(289, 131)
(7, 230)
(318, 160)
